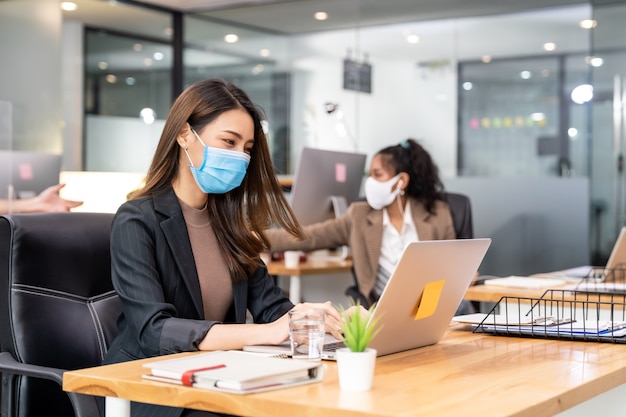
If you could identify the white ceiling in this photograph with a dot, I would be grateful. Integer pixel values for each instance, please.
(489, 33)
(295, 16)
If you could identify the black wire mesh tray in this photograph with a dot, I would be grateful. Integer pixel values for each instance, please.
(559, 314)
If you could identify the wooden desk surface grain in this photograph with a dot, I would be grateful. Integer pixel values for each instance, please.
(465, 374)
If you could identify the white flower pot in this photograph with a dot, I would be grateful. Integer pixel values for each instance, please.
(356, 369)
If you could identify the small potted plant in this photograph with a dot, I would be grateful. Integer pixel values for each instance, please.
(356, 362)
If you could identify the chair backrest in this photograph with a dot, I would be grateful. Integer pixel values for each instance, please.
(461, 210)
(57, 304)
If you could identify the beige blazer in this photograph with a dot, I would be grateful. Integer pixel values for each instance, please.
(361, 228)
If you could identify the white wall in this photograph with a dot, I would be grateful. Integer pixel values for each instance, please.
(30, 40)
(406, 101)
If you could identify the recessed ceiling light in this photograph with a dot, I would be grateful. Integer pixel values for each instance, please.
(320, 15)
(582, 94)
(525, 75)
(486, 59)
(257, 69)
(549, 46)
(147, 115)
(264, 52)
(594, 61)
(588, 24)
(68, 6)
(231, 38)
(412, 39)
(597, 62)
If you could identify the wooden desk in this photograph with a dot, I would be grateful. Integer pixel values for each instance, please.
(465, 374)
(310, 267)
(285, 180)
(493, 294)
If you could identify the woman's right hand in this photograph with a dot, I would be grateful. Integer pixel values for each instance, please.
(333, 316)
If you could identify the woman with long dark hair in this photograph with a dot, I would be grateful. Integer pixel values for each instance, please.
(185, 248)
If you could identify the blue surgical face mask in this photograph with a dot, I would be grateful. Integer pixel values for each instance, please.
(221, 171)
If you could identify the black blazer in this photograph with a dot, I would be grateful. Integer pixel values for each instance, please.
(154, 273)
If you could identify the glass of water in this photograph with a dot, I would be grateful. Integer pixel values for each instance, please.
(306, 332)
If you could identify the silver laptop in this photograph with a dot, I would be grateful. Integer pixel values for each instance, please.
(617, 259)
(615, 268)
(421, 297)
(611, 277)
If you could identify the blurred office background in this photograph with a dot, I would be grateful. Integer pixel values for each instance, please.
(521, 104)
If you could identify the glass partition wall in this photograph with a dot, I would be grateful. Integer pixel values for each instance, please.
(482, 104)
(127, 96)
(252, 59)
(606, 119)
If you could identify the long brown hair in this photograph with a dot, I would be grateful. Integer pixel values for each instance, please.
(240, 216)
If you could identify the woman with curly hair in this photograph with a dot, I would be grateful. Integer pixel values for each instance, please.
(405, 203)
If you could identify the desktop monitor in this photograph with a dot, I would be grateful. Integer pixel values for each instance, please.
(325, 183)
(25, 174)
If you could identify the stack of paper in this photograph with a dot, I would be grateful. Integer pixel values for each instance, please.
(534, 325)
(234, 371)
(525, 282)
(591, 286)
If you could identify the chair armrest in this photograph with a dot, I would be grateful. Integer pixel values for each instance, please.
(8, 364)
(84, 405)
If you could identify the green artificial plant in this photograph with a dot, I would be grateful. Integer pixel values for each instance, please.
(359, 329)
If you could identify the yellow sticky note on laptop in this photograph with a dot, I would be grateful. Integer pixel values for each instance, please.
(427, 304)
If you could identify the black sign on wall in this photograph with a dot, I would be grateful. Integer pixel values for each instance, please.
(357, 76)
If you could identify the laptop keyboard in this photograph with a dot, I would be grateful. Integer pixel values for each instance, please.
(333, 346)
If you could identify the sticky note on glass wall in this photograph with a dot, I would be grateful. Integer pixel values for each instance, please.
(340, 172)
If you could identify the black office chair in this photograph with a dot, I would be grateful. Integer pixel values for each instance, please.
(58, 309)
(461, 211)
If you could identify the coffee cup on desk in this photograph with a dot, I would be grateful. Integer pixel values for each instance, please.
(292, 258)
